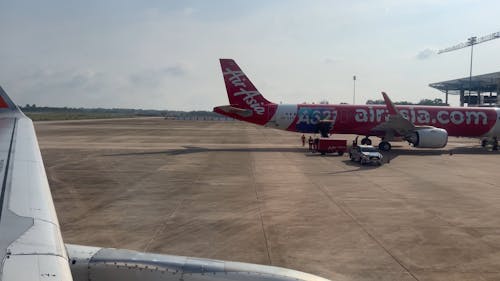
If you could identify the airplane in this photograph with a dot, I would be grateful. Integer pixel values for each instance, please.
(421, 126)
(31, 245)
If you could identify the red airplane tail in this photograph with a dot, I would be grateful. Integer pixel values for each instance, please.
(246, 102)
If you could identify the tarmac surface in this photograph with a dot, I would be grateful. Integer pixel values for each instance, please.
(235, 191)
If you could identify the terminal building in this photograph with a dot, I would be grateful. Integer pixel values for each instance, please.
(479, 90)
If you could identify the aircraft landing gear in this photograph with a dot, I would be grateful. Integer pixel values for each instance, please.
(484, 142)
(493, 141)
(366, 141)
(384, 146)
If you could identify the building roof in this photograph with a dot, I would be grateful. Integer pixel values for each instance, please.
(480, 83)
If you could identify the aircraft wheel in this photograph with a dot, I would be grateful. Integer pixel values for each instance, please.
(484, 142)
(366, 141)
(384, 146)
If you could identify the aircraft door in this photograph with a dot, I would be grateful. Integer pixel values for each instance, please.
(283, 117)
(344, 116)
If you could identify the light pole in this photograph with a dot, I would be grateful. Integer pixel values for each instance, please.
(354, 90)
(471, 42)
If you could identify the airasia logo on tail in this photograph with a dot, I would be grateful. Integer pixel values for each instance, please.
(237, 79)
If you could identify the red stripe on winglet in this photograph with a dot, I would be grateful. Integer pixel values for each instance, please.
(3, 104)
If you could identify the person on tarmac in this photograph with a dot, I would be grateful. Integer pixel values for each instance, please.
(303, 138)
(355, 142)
(310, 143)
(316, 143)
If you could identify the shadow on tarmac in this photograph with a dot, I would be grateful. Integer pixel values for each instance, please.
(388, 156)
(317, 154)
(394, 153)
(349, 162)
(469, 150)
(195, 149)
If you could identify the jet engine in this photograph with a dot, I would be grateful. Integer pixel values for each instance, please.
(429, 138)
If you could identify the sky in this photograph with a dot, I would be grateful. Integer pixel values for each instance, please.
(164, 54)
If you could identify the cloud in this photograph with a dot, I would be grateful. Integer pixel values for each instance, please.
(148, 87)
(188, 11)
(426, 54)
(66, 87)
(86, 79)
(153, 78)
(175, 70)
(332, 60)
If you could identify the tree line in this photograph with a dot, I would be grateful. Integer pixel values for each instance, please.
(33, 108)
(434, 102)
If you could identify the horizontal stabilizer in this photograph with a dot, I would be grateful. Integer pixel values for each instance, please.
(235, 110)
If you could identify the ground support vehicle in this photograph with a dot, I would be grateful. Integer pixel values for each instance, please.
(365, 154)
(327, 145)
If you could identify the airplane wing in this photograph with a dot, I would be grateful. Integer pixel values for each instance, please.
(397, 124)
(93, 263)
(31, 247)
